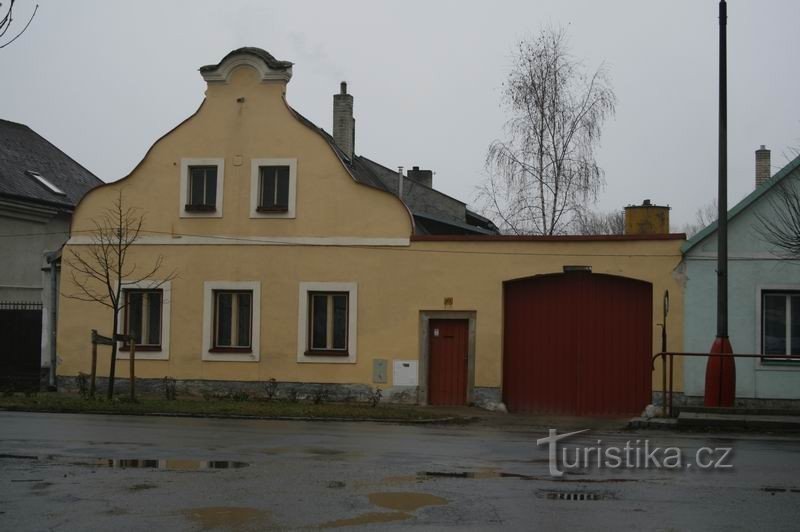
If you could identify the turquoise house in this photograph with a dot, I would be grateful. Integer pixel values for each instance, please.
(764, 297)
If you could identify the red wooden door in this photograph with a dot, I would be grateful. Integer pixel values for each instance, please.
(577, 344)
(447, 362)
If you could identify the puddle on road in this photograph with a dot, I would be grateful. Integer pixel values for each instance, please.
(169, 465)
(402, 502)
(405, 501)
(370, 518)
(228, 517)
(125, 463)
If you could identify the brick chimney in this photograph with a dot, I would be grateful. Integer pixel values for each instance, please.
(423, 177)
(344, 125)
(762, 165)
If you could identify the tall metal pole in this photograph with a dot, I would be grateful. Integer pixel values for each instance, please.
(722, 200)
(720, 388)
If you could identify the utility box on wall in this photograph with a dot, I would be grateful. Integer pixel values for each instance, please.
(379, 368)
(405, 373)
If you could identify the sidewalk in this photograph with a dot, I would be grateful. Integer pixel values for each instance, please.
(737, 419)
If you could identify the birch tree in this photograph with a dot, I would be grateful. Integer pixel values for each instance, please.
(544, 173)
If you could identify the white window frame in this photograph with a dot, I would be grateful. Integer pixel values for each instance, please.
(166, 297)
(208, 317)
(352, 322)
(774, 363)
(185, 164)
(255, 177)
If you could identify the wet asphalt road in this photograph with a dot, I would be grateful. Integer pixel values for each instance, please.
(61, 472)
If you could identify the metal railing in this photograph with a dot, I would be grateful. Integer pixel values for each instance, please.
(668, 387)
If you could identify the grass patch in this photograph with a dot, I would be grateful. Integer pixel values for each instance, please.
(63, 402)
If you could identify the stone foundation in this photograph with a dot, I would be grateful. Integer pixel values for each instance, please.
(300, 391)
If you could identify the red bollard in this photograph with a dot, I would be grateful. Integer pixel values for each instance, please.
(720, 375)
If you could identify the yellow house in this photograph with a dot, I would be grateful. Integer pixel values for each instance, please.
(297, 261)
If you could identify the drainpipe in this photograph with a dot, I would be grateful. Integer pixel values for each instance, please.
(54, 260)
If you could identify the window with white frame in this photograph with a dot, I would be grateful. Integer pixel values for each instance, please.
(327, 322)
(273, 188)
(780, 323)
(231, 321)
(142, 317)
(145, 316)
(201, 185)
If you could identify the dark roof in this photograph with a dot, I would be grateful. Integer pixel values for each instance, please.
(23, 151)
(264, 55)
(359, 168)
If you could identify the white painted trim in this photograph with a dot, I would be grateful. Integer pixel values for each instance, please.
(185, 164)
(230, 240)
(208, 316)
(352, 322)
(166, 308)
(255, 164)
(774, 366)
(223, 72)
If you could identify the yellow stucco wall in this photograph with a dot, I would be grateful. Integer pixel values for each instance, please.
(393, 287)
(394, 284)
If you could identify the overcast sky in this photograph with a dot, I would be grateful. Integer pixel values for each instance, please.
(103, 80)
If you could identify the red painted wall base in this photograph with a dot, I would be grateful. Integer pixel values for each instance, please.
(720, 375)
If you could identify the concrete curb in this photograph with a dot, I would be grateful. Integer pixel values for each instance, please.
(444, 420)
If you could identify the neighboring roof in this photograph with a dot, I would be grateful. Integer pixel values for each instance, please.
(429, 224)
(264, 55)
(359, 168)
(745, 203)
(23, 152)
(545, 238)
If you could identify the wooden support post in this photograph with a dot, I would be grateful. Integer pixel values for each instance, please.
(94, 364)
(133, 372)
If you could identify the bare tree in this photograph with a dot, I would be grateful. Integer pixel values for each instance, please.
(598, 223)
(703, 217)
(101, 270)
(545, 173)
(7, 20)
(782, 227)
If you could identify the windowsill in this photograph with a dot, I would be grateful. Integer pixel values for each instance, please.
(326, 353)
(272, 209)
(141, 348)
(200, 208)
(231, 350)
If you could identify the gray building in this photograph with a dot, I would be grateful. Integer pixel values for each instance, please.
(39, 188)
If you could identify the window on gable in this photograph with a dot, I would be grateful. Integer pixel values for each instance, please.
(273, 189)
(780, 323)
(202, 193)
(233, 320)
(327, 323)
(142, 318)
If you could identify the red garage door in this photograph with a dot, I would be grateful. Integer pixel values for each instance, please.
(577, 344)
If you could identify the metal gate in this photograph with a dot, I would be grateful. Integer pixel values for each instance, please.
(20, 347)
(577, 344)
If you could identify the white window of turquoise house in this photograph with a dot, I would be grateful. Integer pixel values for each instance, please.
(327, 322)
(779, 324)
(146, 316)
(273, 188)
(231, 321)
(201, 185)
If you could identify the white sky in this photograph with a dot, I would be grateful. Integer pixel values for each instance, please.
(104, 80)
